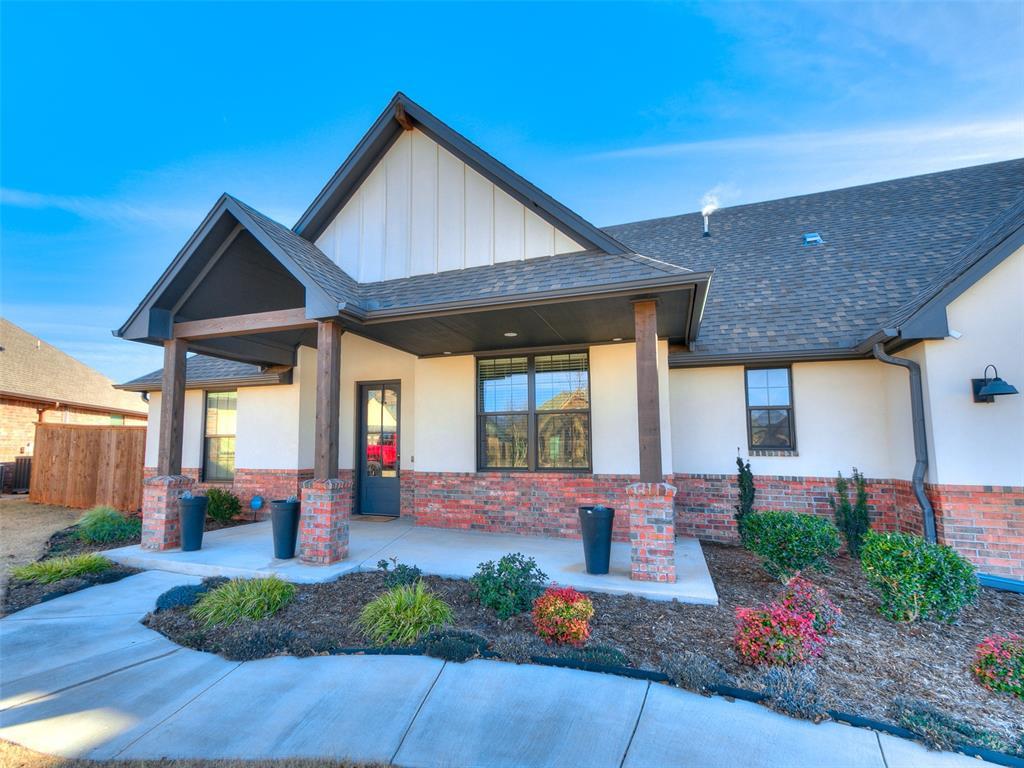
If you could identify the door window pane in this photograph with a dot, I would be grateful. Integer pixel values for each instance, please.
(381, 418)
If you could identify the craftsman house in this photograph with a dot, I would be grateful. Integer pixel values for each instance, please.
(437, 338)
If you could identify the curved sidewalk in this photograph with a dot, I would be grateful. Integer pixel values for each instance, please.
(80, 677)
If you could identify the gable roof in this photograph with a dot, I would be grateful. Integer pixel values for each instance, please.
(885, 245)
(38, 371)
(403, 111)
(202, 371)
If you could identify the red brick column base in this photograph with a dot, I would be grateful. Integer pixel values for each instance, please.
(652, 531)
(161, 527)
(323, 522)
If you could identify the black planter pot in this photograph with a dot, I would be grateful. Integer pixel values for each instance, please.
(193, 521)
(285, 519)
(596, 525)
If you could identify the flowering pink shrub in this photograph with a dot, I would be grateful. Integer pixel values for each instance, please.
(801, 596)
(562, 615)
(999, 664)
(776, 635)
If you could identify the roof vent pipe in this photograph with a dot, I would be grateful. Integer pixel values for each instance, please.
(920, 436)
(709, 207)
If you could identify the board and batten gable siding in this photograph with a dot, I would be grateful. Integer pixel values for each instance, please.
(423, 210)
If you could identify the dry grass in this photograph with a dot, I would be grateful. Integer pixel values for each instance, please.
(15, 756)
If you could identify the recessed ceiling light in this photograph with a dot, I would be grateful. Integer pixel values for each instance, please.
(511, 334)
(447, 353)
(617, 338)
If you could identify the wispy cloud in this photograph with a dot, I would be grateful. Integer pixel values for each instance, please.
(104, 210)
(980, 140)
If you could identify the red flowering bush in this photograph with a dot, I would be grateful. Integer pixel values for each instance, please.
(999, 664)
(775, 635)
(801, 596)
(562, 615)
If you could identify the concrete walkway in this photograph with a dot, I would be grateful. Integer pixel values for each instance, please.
(247, 551)
(81, 677)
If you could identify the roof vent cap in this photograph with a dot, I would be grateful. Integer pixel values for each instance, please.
(813, 238)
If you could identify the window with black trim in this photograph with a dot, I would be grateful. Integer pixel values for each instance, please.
(770, 409)
(219, 436)
(533, 412)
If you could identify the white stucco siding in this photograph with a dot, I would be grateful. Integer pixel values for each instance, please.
(268, 427)
(445, 402)
(613, 409)
(423, 210)
(846, 414)
(978, 443)
(192, 432)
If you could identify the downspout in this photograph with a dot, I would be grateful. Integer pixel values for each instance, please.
(920, 435)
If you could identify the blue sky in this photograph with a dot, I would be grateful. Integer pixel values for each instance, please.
(122, 123)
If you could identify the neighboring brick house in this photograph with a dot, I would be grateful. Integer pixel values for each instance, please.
(39, 383)
(436, 337)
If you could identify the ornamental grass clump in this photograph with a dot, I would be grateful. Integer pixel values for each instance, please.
(775, 635)
(59, 568)
(801, 596)
(789, 543)
(510, 585)
(243, 599)
(999, 664)
(562, 615)
(403, 614)
(104, 524)
(915, 579)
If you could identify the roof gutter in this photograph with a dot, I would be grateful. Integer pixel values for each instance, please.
(920, 435)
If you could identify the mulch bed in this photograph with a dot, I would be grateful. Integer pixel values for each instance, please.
(869, 663)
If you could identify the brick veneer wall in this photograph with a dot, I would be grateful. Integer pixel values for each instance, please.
(269, 483)
(984, 523)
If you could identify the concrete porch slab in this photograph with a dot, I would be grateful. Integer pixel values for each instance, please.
(246, 551)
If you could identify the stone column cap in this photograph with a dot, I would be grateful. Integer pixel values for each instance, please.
(168, 480)
(650, 489)
(333, 484)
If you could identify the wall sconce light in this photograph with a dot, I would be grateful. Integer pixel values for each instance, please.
(986, 389)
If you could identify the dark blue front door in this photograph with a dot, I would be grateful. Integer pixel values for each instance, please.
(379, 449)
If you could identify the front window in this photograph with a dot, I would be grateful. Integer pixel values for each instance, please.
(534, 412)
(770, 409)
(219, 436)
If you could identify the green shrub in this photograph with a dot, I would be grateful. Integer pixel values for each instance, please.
(454, 645)
(243, 599)
(222, 506)
(57, 568)
(851, 519)
(789, 543)
(509, 586)
(940, 730)
(397, 574)
(794, 691)
(103, 524)
(403, 614)
(605, 655)
(745, 495)
(696, 672)
(917, 580)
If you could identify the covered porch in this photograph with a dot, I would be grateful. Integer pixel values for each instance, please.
(246, 552)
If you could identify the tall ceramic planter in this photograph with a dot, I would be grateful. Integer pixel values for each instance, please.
(284, 516)
(193, 522)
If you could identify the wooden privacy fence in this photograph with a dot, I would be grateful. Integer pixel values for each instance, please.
(81, 465)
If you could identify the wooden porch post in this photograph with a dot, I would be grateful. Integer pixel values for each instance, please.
(328, 400)
(645, 317)
(172, 408)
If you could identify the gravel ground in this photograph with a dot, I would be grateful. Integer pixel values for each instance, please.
(869, 663)
(25, 529)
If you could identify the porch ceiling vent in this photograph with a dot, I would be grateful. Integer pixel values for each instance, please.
(813, 238)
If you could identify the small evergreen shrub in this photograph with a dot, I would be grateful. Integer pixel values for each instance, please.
(801, 596)
(696, 672)
(255, 642)
(851, 519)
(789, 543)
(222, 505)
(103, 524)
(562, 615)
(940, 730)
(454, 645)
(604, 655)
(182, 596)
(510, 586)
(518, 648)
(58, 568)
(745, 495)
(774, 635)
(403, 614)
(999, 664)
(917, 580)
(397, 574)
(794, 691)
(243, 599)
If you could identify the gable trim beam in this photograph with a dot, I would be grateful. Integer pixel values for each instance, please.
(241, 325)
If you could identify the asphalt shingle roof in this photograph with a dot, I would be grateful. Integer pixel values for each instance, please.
(199, 369)
(885, 244)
